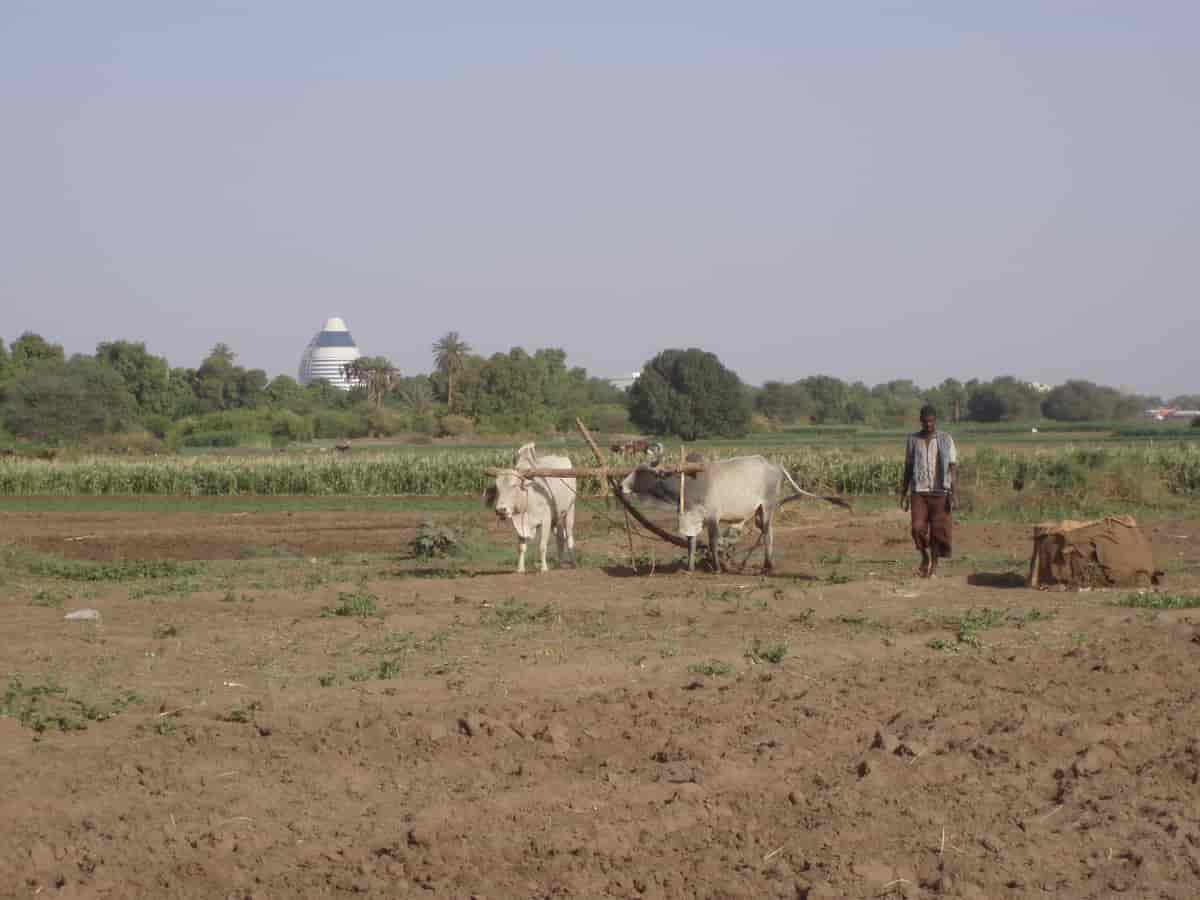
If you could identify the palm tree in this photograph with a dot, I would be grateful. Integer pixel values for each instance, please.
(375, 374)
(449, 355)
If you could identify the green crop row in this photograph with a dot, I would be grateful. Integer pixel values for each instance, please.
(1062, 470)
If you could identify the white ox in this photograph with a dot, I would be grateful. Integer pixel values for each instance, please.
(728, 490)
(536, 505)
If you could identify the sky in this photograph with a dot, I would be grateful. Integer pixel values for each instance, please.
(871, 191)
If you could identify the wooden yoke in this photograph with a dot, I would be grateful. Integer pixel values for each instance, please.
(629, 507)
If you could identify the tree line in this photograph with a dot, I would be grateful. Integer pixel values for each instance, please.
(125, 390)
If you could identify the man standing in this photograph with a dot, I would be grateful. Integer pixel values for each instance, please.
(930, 467)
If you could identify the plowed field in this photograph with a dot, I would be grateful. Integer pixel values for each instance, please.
(840, 729)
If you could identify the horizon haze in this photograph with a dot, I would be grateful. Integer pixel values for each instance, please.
(869, 191)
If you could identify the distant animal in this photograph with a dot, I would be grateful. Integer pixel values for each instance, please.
(639, 445)
(535, 506)
(342, 447)
(728, 490)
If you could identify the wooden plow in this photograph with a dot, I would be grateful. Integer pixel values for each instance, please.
(610, 480)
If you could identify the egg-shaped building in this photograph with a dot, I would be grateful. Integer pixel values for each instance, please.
(327, 353)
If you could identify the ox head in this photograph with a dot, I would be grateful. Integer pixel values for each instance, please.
(506, 495)
(643, 480)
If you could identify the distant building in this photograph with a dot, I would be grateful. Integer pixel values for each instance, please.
(329, 350)
(624, 382)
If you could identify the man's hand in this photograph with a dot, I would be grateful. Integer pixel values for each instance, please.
(904, 501)
(953, 500)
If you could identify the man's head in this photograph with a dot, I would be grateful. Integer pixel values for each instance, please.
(928, 419)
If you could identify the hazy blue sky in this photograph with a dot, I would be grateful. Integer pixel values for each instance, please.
(872, 191)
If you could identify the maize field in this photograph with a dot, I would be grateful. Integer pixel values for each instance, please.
(461, 472)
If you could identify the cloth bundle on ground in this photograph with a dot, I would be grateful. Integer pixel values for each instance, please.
(1108, 552)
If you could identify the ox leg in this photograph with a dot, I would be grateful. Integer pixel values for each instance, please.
(521, 545)
(714, 543)
(543, 542)
(692, 553)
(569, 527)
(768, 528)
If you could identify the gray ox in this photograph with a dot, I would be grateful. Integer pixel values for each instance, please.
(728, 490)
(536, 505)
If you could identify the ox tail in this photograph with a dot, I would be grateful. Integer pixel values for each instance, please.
(801, 492)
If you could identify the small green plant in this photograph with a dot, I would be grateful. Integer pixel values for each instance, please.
(360, 603)
(389, 668)
(1039, 615)
(46, 598)
(974, 621)
(1160, 601)
(435, 541)
(772, 653)
(711, 668)
(165, 630)
(165, 727)
(835, 577)
(940, 644)
(512, 611)
(327, 680)
(242, 714)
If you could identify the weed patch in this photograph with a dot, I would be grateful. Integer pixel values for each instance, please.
(46, 706)
(512, 611)
(360, 603)
(1160, 601)
(434, 541)
(47, 566)
(52, 599)
(974, 621)
(242, 714)
(711, 668)
(771, 653)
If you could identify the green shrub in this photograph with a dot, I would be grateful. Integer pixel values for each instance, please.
(455, 426)
(435, 541)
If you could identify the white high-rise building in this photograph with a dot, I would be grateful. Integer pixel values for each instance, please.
(327, 353)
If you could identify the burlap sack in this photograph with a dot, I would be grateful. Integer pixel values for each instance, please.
(1109, 552)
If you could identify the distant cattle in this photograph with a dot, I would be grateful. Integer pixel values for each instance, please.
(536, 505)
(728, 490)
(639, 445)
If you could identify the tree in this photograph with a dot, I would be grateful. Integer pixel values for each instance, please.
(285, 392)
(1004, 399)
(1081, 401)
(374, 374)
(784, 403)
(416, 394)
(222, 384)
(147, 377)
(949, 398)
(5, 362)
(31, 350)
(830, 397)
(449, 356)
(64, 402)
(689, 393)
